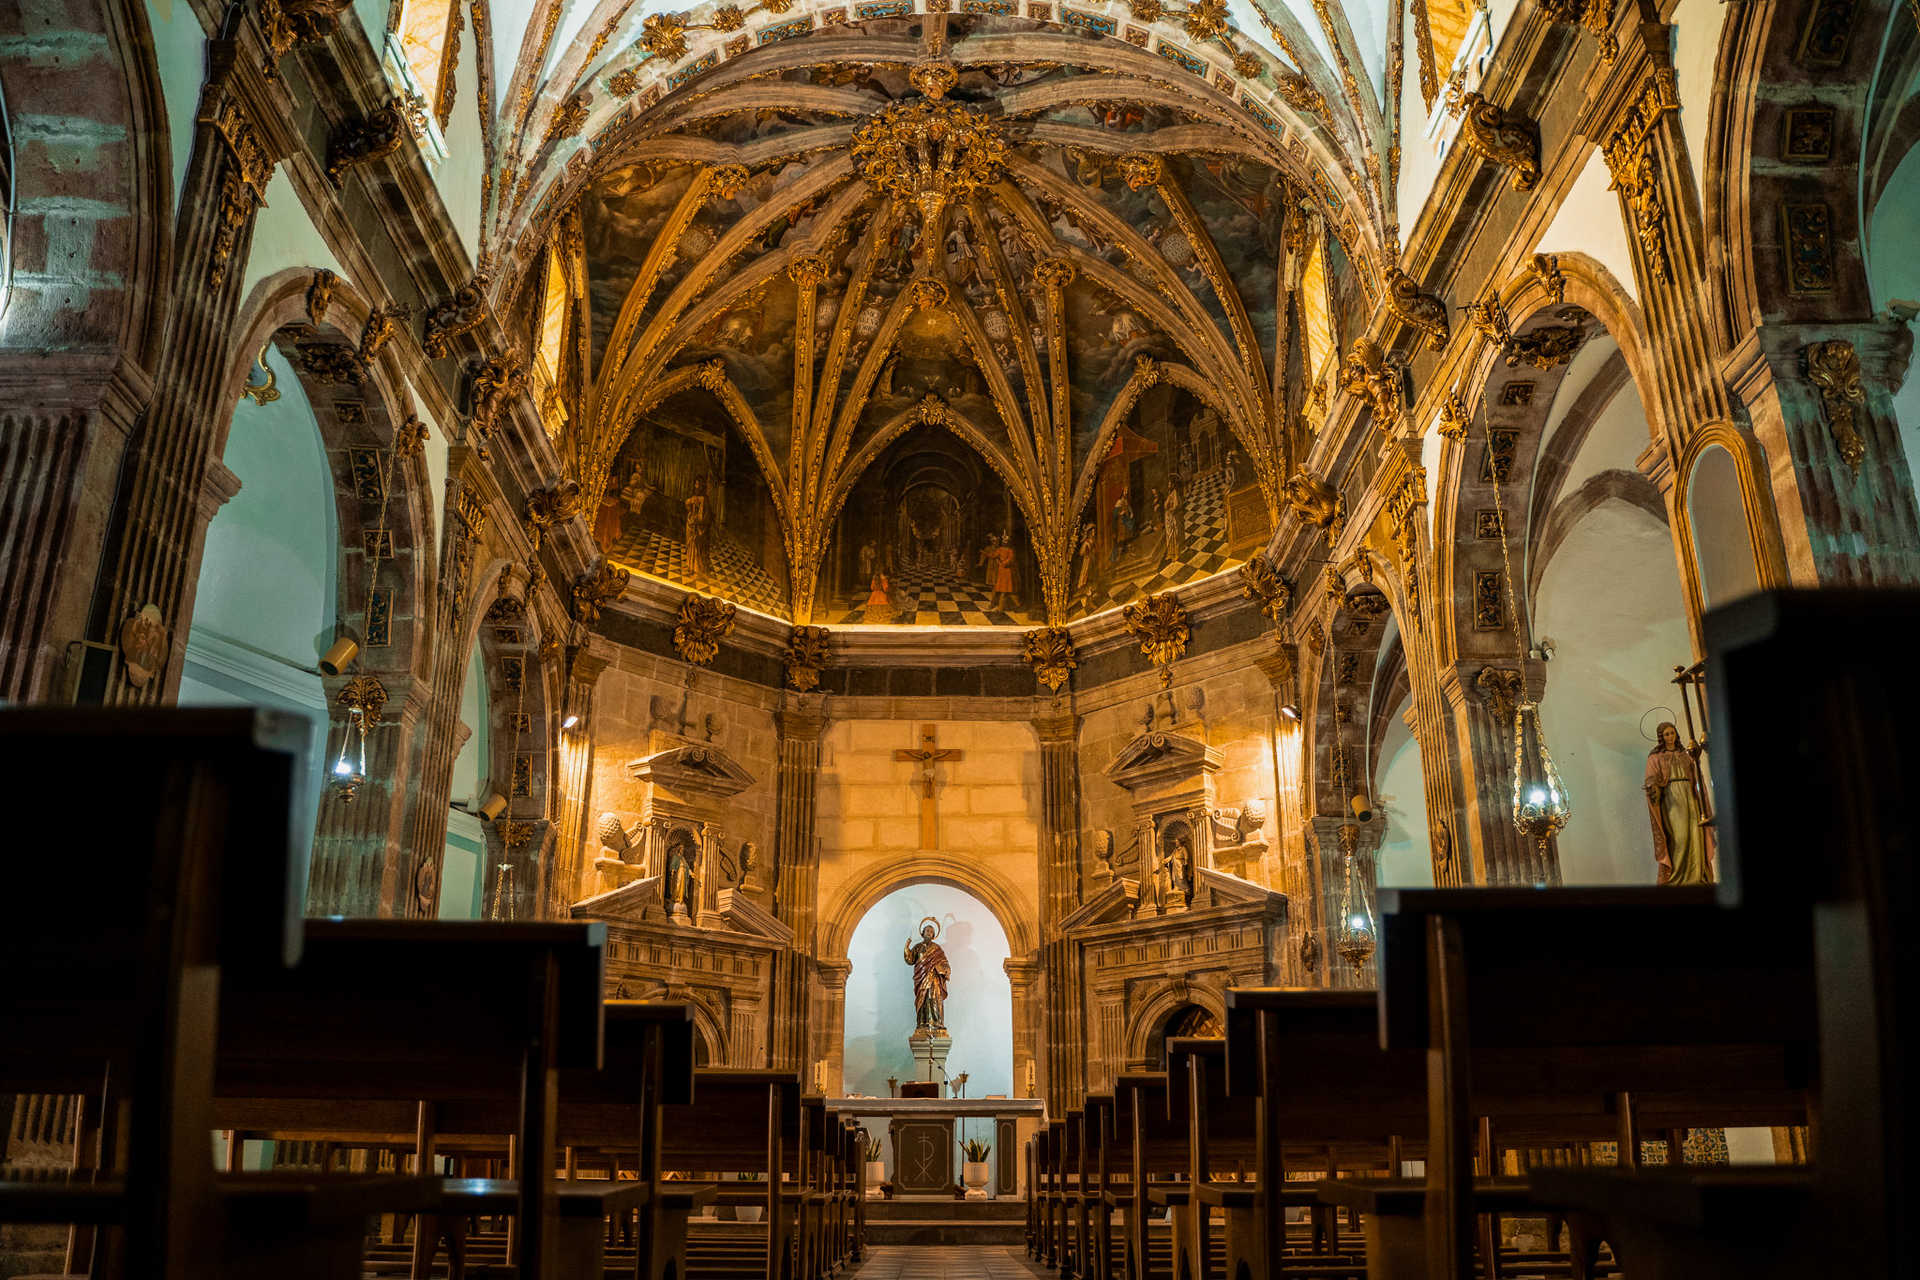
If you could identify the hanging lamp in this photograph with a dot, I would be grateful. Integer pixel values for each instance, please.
(350, 767)
(1541, 806)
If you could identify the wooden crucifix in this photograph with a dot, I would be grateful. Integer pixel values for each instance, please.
(926, 757)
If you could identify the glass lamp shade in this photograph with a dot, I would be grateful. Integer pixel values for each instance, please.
(1541, 806)
(1353, 940)
(350, 769)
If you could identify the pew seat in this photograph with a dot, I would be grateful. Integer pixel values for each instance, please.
(1756, 1222)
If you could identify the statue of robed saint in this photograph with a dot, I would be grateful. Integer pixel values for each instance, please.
(931, 973)
(1676, 803)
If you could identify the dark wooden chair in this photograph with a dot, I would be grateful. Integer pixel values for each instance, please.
(1656, 1004)
(1813, 699)
(118, 997)
(1158, 1148)
(743, 1121)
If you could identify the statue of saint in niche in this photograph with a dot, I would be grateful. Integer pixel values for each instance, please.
(1681, 844)
(930, 975)
(680, 885)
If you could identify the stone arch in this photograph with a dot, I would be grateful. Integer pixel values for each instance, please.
(1016, 916)
(1146, 1030)
(108, 301)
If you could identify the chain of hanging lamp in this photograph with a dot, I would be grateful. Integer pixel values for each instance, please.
(349, 774)
(1354, 940)
(1541, 806)
(502, 906)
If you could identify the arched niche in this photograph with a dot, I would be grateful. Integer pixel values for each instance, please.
(462, 863)
(1717, 520)
(880, 997)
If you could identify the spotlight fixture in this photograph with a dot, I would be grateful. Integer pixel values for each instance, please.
(340, 656)
(1290, 711)
(495, 805)
(1361, 806)
(572, 720)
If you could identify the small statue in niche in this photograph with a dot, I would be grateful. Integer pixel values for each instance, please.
(1180, 861)
(1682, 843)
(680, 885)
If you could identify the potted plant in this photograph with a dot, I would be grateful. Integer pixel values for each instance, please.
(748, 1212)
(876, 1166)
(974, 1171)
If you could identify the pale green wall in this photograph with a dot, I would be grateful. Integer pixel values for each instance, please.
(284, 237)
(180, 50)
(458, 176)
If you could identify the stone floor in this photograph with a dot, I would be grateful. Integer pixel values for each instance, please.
(947, 1262)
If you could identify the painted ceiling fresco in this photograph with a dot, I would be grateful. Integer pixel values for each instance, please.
(872, 342)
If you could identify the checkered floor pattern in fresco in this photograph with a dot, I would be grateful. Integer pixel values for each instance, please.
(946, 1262)
(938, 598)
(1202, 546)
(731, 571)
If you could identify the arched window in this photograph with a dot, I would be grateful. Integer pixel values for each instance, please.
(429, 40)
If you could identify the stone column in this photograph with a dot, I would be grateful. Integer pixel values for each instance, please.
(1059, 733)
(796, 874)
(1480, 696)
(574, 826)
(151, 551)
(352, 837)
(465, 517)
(830, 1044)
(59, 460)
(1023, 976)
(1821, 402)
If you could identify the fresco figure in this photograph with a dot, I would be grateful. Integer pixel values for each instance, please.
(1086, 559)
(999, 557)
(879, 605)
(697, 525)
(1172, 519)
(609, 518)
(1123, 525)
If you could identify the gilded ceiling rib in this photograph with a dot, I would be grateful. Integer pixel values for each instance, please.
(879, 233)
(1011, 297)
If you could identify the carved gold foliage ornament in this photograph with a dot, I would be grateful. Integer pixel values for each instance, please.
(1545, 346)
(376, 136)
(1595, 17)
(1049, 651)
(144, 645)
(927, 293)
(1403, 514)
(1407, 304)
(1499, 690)
(553, 505)
(570, 119)
(806, 657)
(1501, 137)
(365, 695)
(288, 24)
(243, 185)
(625, 83)
(1454, 418)
(1161, 626)
(1834, 368)
(410, 438)
(1316, 504)
(320, 296)
(1247, 65)
(461, 313)
(331, 363)
(934, 77)
(598, 587)
(664, 35)
(491, 383)
(1545, 268)
(1631, 158)
(1142, 169)
(382, 324)
(697, 632)
(1261, 582)
(1368, 375)
(261, 393)
(929, 153)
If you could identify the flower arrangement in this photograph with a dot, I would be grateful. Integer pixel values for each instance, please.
(976, 1150)
(875, 1148)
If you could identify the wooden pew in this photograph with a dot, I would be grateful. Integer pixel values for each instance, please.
(404, 1012)
(1561, 1004)
(1107, 1152)
(742, 1121)
(1158, 1151)
(1039, 1193)
(1220, 1128)
(200, 881)
(1814, 759)
(1323, 1091)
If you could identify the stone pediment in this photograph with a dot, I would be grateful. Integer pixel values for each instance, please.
(1155, 758)
(1112, 905)
(692, 770)
(641, 903)
(1214, 888)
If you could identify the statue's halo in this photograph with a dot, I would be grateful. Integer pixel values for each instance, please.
(1655, 735)
(926, 920)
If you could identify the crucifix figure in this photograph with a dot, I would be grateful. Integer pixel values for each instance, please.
(926, 757)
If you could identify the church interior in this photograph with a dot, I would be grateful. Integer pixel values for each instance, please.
(959, 638)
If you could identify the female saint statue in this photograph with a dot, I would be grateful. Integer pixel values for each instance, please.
(1677, 806)
(930, 974)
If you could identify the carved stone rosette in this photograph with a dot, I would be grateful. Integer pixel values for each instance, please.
(806, 656)
(1049, 651)
(1162, 627)
(702, 622)
(1834, 368)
